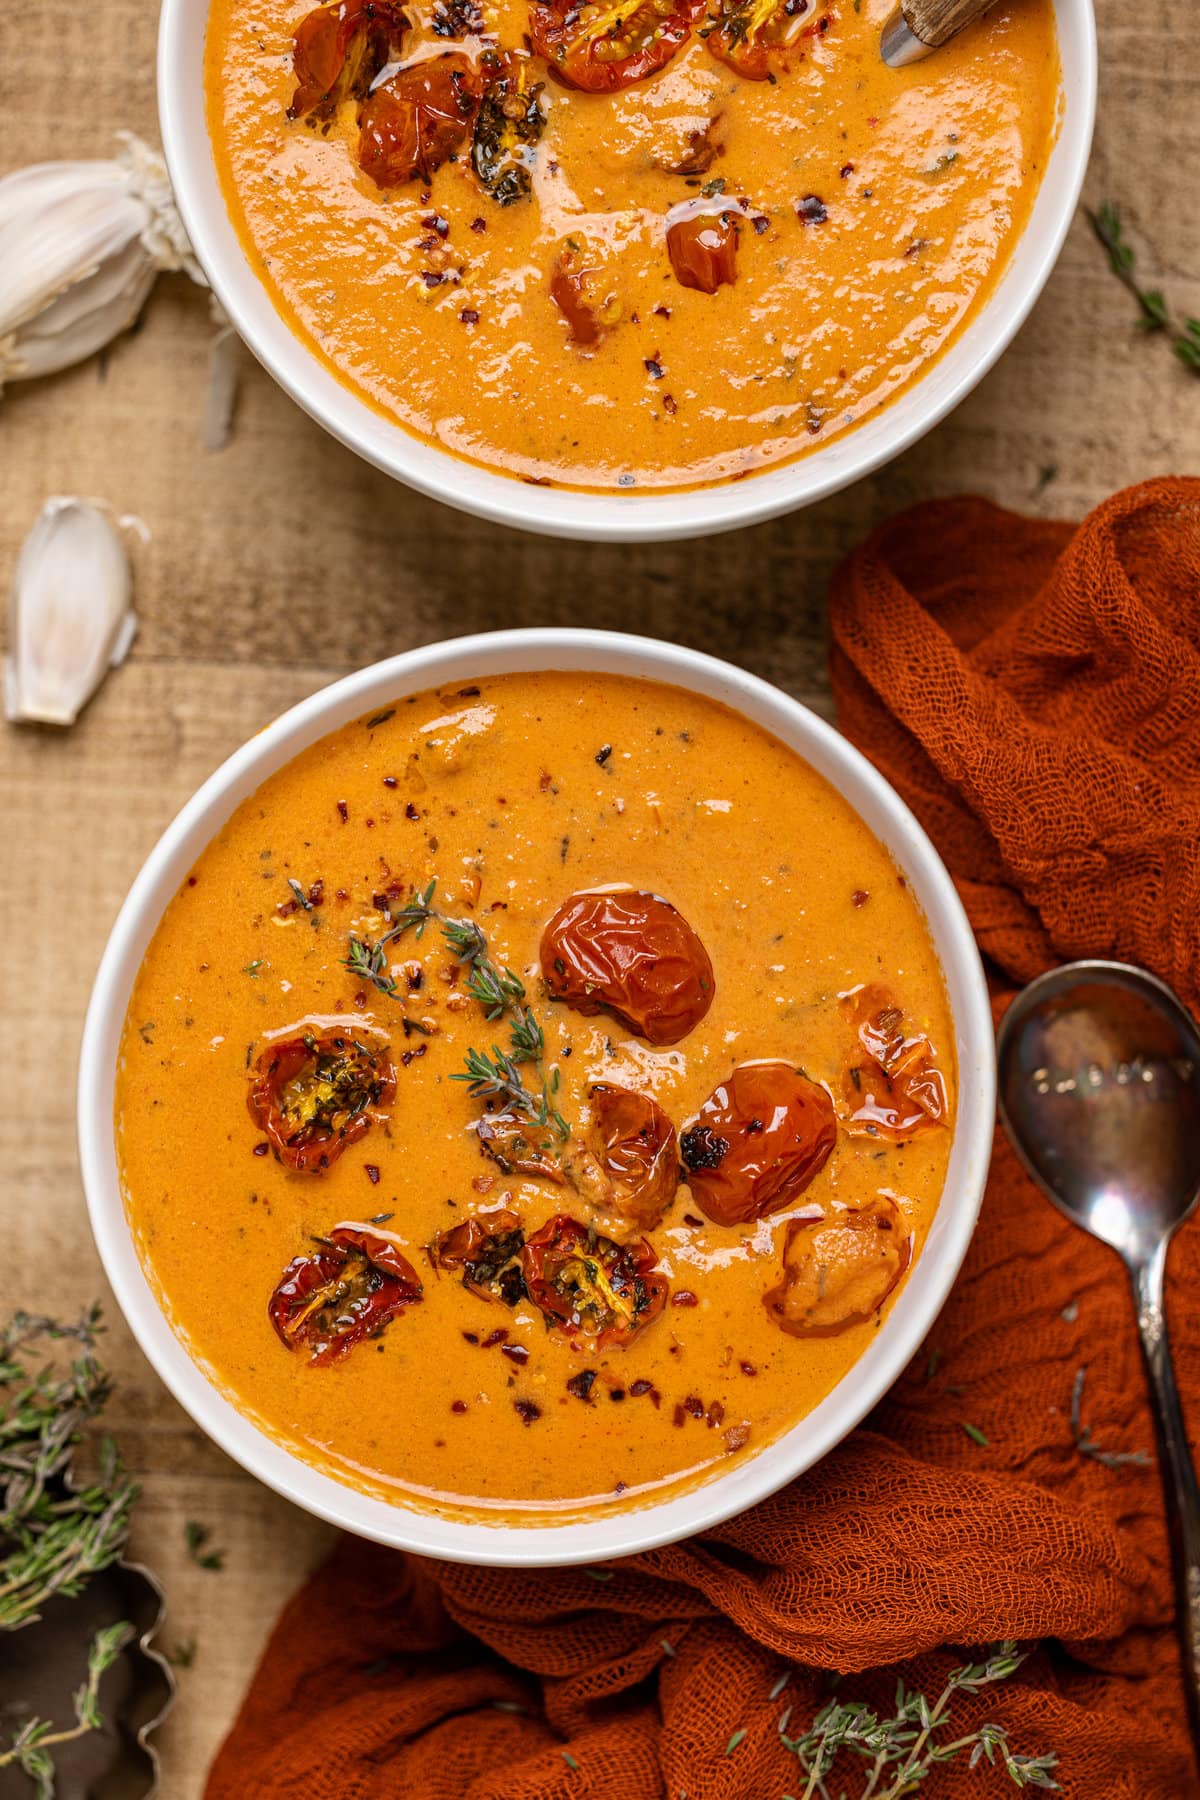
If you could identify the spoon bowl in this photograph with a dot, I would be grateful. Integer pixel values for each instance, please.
(1099, 1089)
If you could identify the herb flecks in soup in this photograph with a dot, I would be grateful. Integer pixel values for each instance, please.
(535, 1095)
(651, 244)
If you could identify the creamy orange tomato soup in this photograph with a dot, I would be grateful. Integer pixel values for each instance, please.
(646, 245)
(535, 1095)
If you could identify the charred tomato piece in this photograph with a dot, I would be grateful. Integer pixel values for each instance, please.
(703, 247)
(596, 1292)
(418, 120)
(634, 1143)
(518, 1147)
(346, 1290)
(753, 37)
(630, 954)
(338, 50)
(757, 1142)
(601, 46)
(315, 1094)
(508, 125)
(898, 1089)
(838, 1270)
(487, 1248)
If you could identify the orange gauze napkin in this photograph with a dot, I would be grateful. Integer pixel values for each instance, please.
(1033, 690)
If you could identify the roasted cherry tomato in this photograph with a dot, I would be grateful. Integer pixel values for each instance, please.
(415, 122)
(569, 292)
(519, 1147)
(634, 1144)
(596, 1292)
(487, 1249)
(753, 37)
(600, 46)
(347, 1290)
(338, 50)
(632, 955)
(898, 1089)
(508, 125)
(839, 1270)
(757, 1142)
(702, 247)
(315, 1094)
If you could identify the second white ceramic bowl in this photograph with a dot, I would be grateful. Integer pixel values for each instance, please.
(730, 1491)
(614, 517)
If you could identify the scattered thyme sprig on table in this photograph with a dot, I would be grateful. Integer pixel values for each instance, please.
(1184, 335)
(496, 989)
(53, 1535)
(1082, 1434)
(30, 1748)
(901, 1751)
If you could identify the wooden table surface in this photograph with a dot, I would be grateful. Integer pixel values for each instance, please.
(283, 562)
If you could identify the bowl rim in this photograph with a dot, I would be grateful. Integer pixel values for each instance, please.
(610, 517)
(751, 1479)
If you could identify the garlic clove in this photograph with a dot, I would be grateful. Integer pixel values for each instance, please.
(71, 614)
(80, 246)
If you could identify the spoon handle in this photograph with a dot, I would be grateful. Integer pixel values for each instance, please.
(1180, 1491)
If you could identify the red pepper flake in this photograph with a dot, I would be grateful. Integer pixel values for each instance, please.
(736, 1436)
(458, 1406)
(859, 897)
(407, 1056)
(760, 223)
(811, 210)
(435, 222)
(410, 811)
(372, 1170)
(581, 1385)
(846, 170)
(616, 1393)
(528, 1411)
(663, 312)
(342, 894)
(748, 1368)
(192, 880)
(471, 1337)
(414, 976)
(669, 405)
(343, 811)
(545, 780)
(515, 1353)
(479, 224)
(642, 1386)
(678, 1416)
(483, 1184)
(262, 1149)
(715, 1414)
(684, 1297)
(691, 1219)
(469, 316)
(390, 781)
(431, 278)
(653, 368)
(694, 1405)
(494, 1337)
(916, 247)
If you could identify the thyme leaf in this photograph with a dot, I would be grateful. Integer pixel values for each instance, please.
(196, 1537)
(1154, 313)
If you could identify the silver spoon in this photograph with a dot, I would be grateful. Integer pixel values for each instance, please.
(1099, 1090)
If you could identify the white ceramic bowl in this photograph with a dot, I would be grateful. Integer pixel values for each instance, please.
(640, 1528)
(620, 517)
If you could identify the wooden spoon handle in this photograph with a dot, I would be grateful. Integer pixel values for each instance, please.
(935, 22)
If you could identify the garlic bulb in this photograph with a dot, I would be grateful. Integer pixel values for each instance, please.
(80, 246)
(71, 617)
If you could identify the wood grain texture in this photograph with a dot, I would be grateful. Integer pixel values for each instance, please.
(935, 22)
(283, 562)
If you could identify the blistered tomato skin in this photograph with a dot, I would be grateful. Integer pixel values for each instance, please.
(635, 1145)
(757, 1142)
(838, 1270)
(702, 248)
(347, 1290)
(896, 1088)
(600, 49)
(596, 1292)
(313, 1096)
(630, 954)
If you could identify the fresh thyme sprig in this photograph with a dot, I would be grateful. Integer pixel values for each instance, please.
(1082, 1434)
(498, 1077)
(52, 1537)
(902, 1750)
(498, 990)
(1154, 313)
(30, 1748)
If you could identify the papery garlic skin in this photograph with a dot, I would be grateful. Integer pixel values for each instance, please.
(71, 614)
(80, 246)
